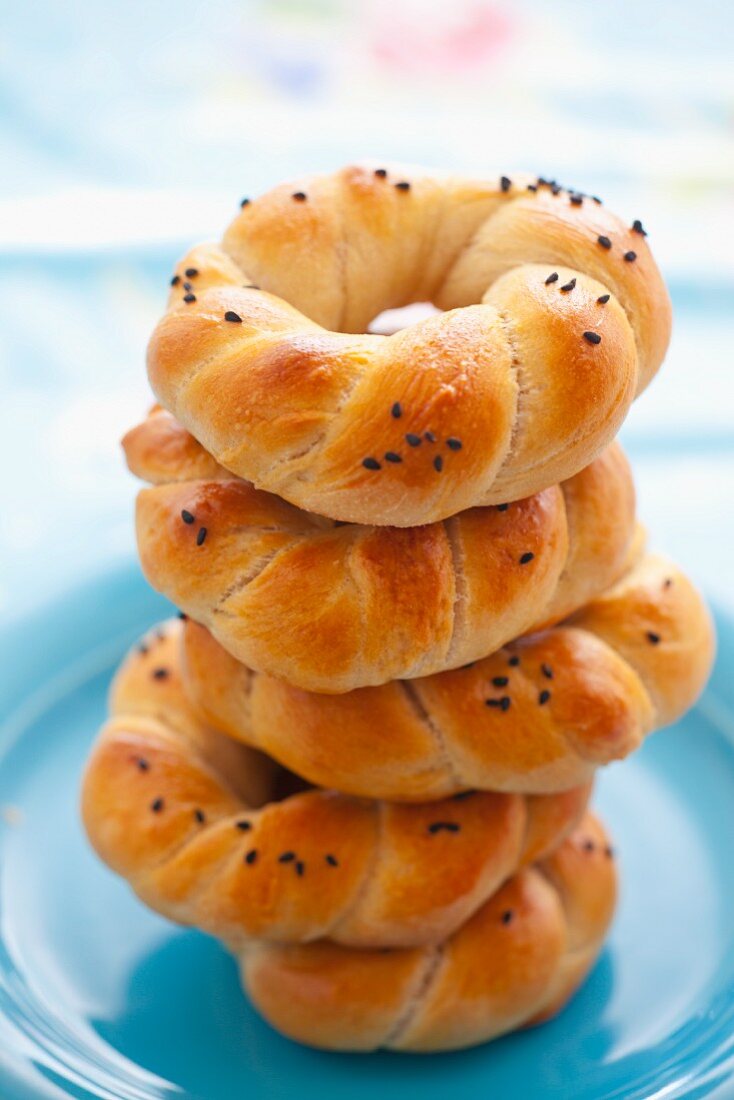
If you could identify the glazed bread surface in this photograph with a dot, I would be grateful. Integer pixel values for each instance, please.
(333, 607)
(515, 962)
(167, 804)
(538, 716)
(556, 317)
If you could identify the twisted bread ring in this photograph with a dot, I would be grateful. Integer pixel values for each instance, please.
(485, 404)
(335, 607)
(515, 962)
(163, 804)
(537, 716)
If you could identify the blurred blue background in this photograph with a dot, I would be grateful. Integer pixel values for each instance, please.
(129, 130)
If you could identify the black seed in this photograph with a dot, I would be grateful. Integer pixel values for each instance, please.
(381, 173)
(500, 681)
(543, 697)
(505, 183)
(189, 297)
(604, 242)
(397, 410)
(331, 860)
(453, 443)
(403, 185)
(552, 278)
(596, 199)
(175, 280)
(183, 616)
(592, 337)
(532, 187)
(157, 805)
(514, 661)
(429, 436)
(300, 867)
(638, 228)
(286, 857)
(502, 703)
(243, 826)
(187, 517)
(603, 299)
(462, 795)
(502, 507)
(569, 285)
(556, 189)
(526, 557)
(371, 464)
(187, 286)
(200, 816)
(251, 856)
(630, 256)
(250, 286)
(589, 845)
(142, 649)
(609, 852)
(444, 826)
(507, 916)
(159, 673)
(438, 464)
(391, 456)
(413, 440)
(547, 671)
(191, 272)
(201, 535)
(244, 202)
(576, 199)
(299, 196)
(143, 764)
(653, 638)
(668, 582)
(235, 318)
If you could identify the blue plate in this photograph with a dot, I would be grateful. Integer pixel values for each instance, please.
(99, 998)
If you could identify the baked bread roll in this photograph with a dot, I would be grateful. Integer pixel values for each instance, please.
(164, 803)
(515, 962)
(537, 716)
(333, 607)
(556, 318)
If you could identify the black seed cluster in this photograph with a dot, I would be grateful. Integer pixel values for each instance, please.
(370, 462)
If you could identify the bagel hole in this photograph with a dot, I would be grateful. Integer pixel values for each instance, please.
(393, 320)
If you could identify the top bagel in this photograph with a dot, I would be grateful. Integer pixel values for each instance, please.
(557, 317)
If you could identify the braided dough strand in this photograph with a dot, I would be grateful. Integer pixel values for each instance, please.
(515, 962)
(336, 607)
(545, 329)
(580, 695)
(165, 805)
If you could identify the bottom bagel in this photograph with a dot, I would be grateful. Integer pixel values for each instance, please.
(196, 823)
(515, 962)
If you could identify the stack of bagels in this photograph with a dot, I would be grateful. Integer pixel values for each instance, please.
(417, 610)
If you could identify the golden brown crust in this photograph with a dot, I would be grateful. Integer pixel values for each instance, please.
(581, 695)
(515, 962)
(165, 805)
(279, 398)
(336, 607)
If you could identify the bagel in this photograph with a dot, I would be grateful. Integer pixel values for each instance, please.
(579, 695)
(164, 804)
(515, 962)
(556, 317)
(333, 607)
